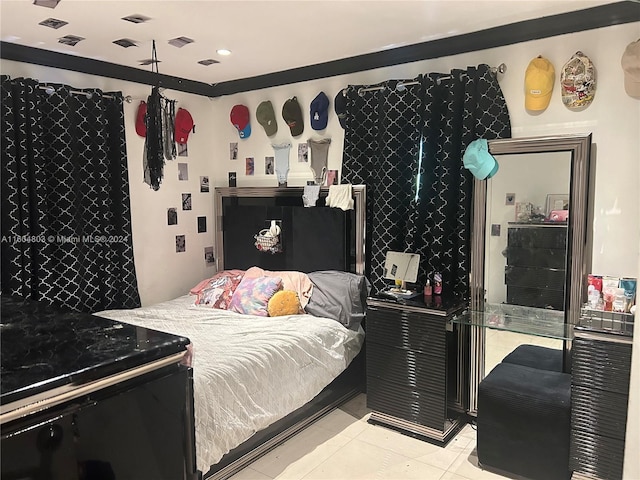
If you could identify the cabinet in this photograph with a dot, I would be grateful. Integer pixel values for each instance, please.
(416, 368)
(536, 262)
(599, 397)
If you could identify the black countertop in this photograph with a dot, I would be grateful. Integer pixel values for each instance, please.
(43, 348)
(435, 304)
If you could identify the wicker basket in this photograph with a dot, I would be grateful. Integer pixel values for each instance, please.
(266, 241)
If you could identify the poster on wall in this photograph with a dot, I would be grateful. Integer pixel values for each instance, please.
(209, 259)
(204, 184)
(232, 179)
(249, 166)
(233, 151)
(332, 177)
(202, 224)
(268, 165)
(183, 171)
(186, 201)
(181, 244)
(303, 152)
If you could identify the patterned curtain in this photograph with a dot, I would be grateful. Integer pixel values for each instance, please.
(66, 221)
(406, 145)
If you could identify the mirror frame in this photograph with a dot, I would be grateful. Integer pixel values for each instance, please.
(579, 145)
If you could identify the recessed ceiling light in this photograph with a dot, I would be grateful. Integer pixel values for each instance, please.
(223, 51)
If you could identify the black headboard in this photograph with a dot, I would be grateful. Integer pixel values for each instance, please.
(312, 238)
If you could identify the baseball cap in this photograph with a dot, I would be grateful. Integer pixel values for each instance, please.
(538, 84)
(240, 119)
(578, 81)
(141, 125)
(340, 107)
(293, 116)
(183, 125)
(479, 161)
(320, 112)
(631, 67)
(267, 118)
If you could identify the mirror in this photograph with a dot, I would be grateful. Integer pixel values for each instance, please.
(528, 255)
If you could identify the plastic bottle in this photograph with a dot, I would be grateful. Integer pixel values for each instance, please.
(437, 283)
(428, 291)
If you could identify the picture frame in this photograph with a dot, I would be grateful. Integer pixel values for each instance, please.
(556, 201)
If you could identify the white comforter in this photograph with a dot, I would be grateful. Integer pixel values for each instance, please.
(248, 371)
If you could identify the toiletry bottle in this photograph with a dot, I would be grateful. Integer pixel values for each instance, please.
(437, 283)
(428, 291)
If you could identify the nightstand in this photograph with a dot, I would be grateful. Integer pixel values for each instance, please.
(417, 376)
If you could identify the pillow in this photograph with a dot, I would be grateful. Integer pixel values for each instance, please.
(297, 281)
(253, 294)
(284, 302)
(341, 296)
(218, 290)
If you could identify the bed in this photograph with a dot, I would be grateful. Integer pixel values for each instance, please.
(259, 379)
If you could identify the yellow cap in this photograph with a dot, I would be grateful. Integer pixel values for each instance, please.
(538, 84)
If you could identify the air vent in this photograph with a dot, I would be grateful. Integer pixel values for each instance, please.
(136, 18)
(180, 41)
(53, 23)
(125, 42)
(208, 61)
(46, 3)
(70, 40)
(149, 61)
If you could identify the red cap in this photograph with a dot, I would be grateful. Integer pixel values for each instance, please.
(141, 126)
(240, 119)
(184, 125)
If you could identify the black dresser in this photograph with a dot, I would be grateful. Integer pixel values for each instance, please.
(84, 397)
(601, 369)
(536, 262)
(416, 367)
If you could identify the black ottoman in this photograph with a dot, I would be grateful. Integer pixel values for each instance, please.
(534, 356)
(524, 422)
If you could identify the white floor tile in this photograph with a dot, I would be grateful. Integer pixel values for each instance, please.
(302, 453)
(249, 474)
(341, 422)
(359, 460)
(397, 442)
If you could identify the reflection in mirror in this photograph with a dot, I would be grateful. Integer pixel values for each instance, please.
(525, 243)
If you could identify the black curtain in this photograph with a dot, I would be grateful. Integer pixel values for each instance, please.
(406, 144)
(66, 221)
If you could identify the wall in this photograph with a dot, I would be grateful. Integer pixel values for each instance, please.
(162, 273)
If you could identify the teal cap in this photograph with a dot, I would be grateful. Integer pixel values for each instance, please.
(479, 161)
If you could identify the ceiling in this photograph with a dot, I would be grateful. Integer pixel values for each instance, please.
(264, 36)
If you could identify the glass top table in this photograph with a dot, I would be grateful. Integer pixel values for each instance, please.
(539, 322)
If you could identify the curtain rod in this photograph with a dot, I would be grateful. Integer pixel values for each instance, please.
(402, 86)
(50, 91)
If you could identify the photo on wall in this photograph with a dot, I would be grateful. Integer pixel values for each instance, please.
(232, 179)
(209, 259)
(182, 150)
(181, 244)
(332, 177)
(172, 216)
(183, 171)
(204, 184)
(249, 166)
(303, 152)
(202, 224)
(186, 201)
(233, 151)
(268, 166)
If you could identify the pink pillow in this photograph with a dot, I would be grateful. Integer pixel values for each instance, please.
(253, 294)
(218, 290)
(291, 280)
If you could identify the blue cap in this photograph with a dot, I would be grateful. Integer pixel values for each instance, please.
(245, 132)
(320, 112)
(479, 161)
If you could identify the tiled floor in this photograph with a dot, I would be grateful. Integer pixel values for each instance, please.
(344, 446)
